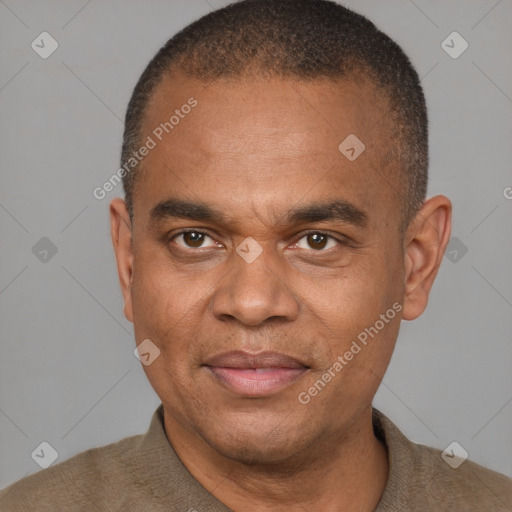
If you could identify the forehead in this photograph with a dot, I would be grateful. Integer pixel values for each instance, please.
(265, 140)
(302, 107)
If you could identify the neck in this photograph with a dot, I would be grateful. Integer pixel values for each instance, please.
(343, 473)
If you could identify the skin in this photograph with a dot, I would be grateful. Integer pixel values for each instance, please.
(254, 149)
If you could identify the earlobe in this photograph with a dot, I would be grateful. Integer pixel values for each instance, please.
(425, 242)
(121, 232)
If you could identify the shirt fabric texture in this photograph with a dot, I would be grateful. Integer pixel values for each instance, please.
(143, 473)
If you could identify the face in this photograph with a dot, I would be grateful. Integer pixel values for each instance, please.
(258, 244)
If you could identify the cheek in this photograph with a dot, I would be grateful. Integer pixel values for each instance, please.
(158, 306)
(352, 298)
(160, 296)
(171, 309)
(357, 317)
(358, 329)
(166, 314)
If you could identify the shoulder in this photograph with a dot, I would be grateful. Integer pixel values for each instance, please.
(95, 475)
(421, 479)
(470, 485)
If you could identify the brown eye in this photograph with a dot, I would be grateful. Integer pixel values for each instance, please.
(193, 240)
(316, 241)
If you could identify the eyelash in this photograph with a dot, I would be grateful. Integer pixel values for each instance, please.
(307, 233)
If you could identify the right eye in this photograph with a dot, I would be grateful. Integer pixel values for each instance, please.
(192, 239)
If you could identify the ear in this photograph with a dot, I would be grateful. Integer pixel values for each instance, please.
(121, 231)
(425, 241)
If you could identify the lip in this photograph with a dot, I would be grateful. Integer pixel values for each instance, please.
(261, 374)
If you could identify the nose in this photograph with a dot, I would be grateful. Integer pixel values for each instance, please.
(255, 293)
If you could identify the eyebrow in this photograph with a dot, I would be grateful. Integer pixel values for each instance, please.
(180, 209)
(339, 210)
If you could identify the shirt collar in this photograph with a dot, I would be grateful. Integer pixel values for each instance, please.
(165, 479)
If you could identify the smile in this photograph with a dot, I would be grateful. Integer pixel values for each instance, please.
(255, 375)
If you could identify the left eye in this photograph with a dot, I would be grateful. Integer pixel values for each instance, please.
(316, 241)
(193, 239)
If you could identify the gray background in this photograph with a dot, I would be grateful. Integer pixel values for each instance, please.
(68, 375)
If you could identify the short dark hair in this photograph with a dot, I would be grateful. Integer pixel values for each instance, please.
(302, 39)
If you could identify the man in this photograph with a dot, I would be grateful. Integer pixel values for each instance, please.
(273, 235)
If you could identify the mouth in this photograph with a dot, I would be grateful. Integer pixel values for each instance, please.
(255, 375)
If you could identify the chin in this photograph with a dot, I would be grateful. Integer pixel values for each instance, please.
(256, 443)
(254, 452)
